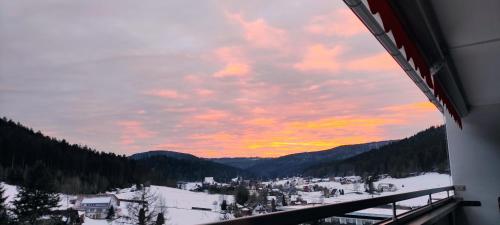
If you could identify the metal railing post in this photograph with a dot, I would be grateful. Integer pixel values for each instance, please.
(394, 215)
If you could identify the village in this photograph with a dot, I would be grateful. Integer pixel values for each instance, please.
(210, 200)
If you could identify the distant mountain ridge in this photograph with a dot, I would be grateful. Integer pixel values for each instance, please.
(166, 153)
(281, 166)
(293, 164)
(239, 162)
(171, 165)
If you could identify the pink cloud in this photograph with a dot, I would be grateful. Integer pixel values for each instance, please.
(180, 109)
(230, 54)
(193, 79)
(378, 62)
(211, 115)
(320, 58)
(341, 22)
(258, 110)
(132, 131)
(204, 93)
(259, 33)
(166, 93)
(236, 64)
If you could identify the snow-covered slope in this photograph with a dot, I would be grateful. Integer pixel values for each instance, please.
(180, 202)
(177, 198)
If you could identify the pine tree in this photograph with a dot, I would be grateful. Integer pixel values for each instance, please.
(160, 219)
(35, 199)
(111, 213)
(4, 219)
(241, 195)
(283, 202)
(223, 205)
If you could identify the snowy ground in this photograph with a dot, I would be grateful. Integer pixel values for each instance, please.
(180, 202)
(426, 181)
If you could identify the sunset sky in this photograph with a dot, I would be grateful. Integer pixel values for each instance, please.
(210, 78)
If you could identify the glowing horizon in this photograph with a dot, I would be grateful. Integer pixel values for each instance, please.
(213, 79)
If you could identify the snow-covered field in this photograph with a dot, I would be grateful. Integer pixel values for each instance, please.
(180, 202)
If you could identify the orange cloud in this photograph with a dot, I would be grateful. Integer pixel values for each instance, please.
(268, 131)
(341, 22)
(378, 62)
(233, 70)
(417, 107)
(320, 58)
(166, 93)
(259, 33)
(236, 65)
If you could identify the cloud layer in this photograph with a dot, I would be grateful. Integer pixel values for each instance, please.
(211, 78)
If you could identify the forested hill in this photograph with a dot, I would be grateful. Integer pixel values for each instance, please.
(79, 169)
(74, 168)
(294, 164)
(426, 151)
(170, 154)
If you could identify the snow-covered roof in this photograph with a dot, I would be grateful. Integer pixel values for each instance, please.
(96, 200)
(209, 180)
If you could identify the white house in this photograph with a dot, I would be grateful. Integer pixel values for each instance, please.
(97, 206)
(209, 180)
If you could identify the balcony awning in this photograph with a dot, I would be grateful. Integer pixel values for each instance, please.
(405, 42)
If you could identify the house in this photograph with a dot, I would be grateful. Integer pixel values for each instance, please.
(382, 187)
(182, 185)
(97, 206)
(209, 180)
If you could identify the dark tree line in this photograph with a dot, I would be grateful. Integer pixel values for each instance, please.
(75, 168)
(167, 169)
(79, 169)
(4, 219)
(424, 152)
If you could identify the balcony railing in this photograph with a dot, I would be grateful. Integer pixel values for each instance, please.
(432, 211)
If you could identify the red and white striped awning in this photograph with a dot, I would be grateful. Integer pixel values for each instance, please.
(382, 20)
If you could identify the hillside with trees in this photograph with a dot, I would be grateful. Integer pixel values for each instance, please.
(79, 169)
(75, 168)
(167, 170)
(426, 151)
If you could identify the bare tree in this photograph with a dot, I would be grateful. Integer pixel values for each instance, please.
(144, 210)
